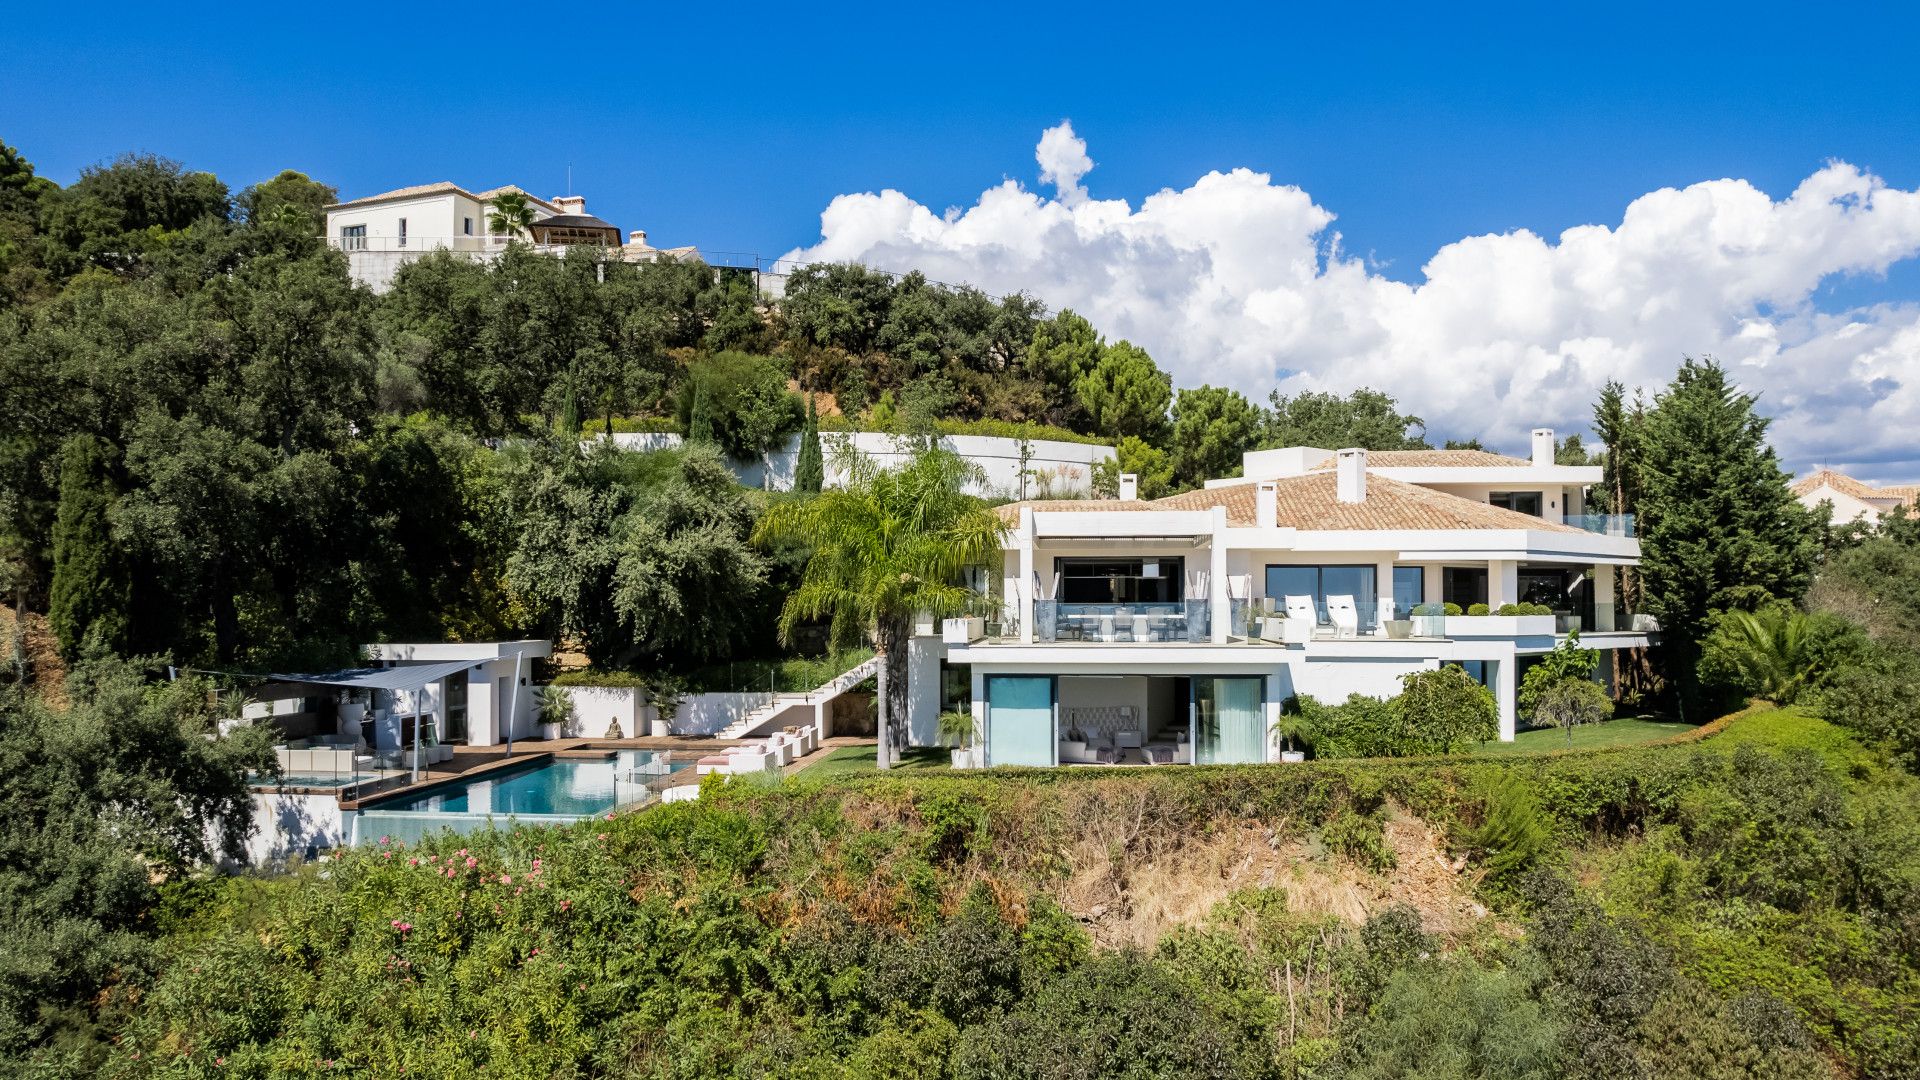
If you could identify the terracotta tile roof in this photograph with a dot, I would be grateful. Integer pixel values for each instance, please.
(1842, 483)
(1908, 494)
(443, 187)
(1010, 512)
(1310, 502)
(1436, 459)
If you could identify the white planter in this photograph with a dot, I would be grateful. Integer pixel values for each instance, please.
(659, 728)
(549, 731)
(964, 759)
(1292, 757)
(962, 631)
(1499, 626)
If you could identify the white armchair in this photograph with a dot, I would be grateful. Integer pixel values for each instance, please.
(1344, 616)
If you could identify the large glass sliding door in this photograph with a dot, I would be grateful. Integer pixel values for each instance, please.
(1020, 727)
(1229, 720)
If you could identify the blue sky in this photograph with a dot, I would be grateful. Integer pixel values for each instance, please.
(731, 125)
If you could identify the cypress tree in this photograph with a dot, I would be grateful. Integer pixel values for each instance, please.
(700, 422)
(810, 472)
(91, 589)
(1719, 526)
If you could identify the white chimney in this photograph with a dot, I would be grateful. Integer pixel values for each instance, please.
(1543, 446)
(1350, 475)
(1129, 486)
(1266, 499)
(571, 204)
(637, 237)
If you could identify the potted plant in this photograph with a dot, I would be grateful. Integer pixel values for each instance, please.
(956, 730)
(554, 705)
(664, 692)
(1293, 726)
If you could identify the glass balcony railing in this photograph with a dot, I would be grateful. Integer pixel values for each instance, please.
(1170, 621)
(1603, 524)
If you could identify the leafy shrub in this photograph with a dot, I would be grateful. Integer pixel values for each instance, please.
(1455, 1019)
(746, 400)
(1778, 652)
(1513, 834)
(1524, 609)
(1571, 702)
(1451, 608)
(1119, 1015)
(1567, 661)
(1477, 609)
(1879, 698)
(1444, 711)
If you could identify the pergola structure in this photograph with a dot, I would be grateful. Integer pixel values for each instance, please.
(411, 678)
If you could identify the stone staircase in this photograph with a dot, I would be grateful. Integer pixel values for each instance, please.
(765, 716)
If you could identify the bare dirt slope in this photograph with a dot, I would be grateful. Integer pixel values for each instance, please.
(45, 671)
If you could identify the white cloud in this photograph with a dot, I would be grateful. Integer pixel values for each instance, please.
(1237, 280)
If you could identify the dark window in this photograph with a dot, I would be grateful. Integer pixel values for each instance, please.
(353, 238)
(1409, 589)
(466, 226)
(956, 688)
(1525, 502)
(1120, 581)
(1464, 585)
(1321, 582)
(403, 232)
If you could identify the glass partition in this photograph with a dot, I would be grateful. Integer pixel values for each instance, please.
(1355, 580)
(1229, 720)
(1020, 728)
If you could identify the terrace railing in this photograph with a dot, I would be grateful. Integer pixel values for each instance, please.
(1603, 524)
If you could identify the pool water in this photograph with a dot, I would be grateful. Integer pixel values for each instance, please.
(569, 788)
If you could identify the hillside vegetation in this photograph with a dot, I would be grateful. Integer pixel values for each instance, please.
(1746, 907)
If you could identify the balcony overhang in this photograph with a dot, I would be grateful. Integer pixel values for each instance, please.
(1189, 525)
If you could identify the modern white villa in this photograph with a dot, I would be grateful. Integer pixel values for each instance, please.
(381, 233)
(1173, 630)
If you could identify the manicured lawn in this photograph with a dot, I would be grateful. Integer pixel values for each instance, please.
(855, 760)
(1625, 731)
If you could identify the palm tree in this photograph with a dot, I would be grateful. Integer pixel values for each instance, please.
(511, 215)
(1772, 648)
(888, 546)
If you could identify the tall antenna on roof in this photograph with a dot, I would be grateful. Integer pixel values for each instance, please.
(569, 177)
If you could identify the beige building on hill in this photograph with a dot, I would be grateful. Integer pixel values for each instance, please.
(381, 233)
(1853, 500)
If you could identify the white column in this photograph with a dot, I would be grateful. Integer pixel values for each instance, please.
(978, 704)
(1504, 694)
(1217, 573)
(1433, 583)
(1503, 583)
(1026, 575)
(1274, 692)
(1383, 584)
(820, 719)
(1603, 598)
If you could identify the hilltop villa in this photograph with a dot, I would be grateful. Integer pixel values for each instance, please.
(381, 233)
(1172, 630)
(1852, 500)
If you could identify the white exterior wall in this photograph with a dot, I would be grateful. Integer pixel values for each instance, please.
(1067, 467)
(487, 718)
(597, 708)
(1845, 507)
(923, 690)
(288, 825)
(434, 222)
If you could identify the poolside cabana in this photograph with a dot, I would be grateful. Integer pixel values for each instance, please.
(410, 680)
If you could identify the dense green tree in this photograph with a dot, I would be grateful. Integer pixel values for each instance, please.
(1212, 428)
(747, 407)
(291, 199)
(117, 214)
(1779, 652)
(1455, 1020)
(102, 802)
(1366, 418)
(1125, 394)
(1151, 467)
(1064, 349)
(810, 471)
(1719, 526)
(92, 587)
(891, 545)
(1568, 661)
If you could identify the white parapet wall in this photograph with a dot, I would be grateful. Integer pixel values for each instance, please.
(1053, 469)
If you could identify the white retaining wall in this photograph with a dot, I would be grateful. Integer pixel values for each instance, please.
(289, 825)
(1055, 468)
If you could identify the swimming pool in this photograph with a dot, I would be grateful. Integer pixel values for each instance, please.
(551, 792)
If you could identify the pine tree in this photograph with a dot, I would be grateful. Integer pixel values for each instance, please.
(809, 473)
(1719, 526)
(91, 589)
